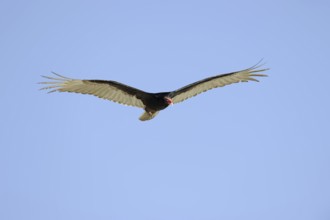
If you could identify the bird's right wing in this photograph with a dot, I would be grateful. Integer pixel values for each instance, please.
(111, 90)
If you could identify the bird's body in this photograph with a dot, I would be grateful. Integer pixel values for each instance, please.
(152, 103)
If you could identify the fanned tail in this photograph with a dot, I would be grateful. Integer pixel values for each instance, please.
(148, 116)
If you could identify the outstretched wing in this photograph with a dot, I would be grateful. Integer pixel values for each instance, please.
(216, 81)
(110, 90)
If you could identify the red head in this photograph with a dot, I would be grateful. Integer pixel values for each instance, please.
(168, 100)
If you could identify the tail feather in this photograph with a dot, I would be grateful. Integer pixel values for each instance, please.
(148, 116)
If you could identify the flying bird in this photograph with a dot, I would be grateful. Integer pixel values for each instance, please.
(152, 103)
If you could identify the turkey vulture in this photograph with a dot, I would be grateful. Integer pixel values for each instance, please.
(152, 103)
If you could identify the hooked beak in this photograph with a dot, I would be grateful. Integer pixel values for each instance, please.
(169, 101)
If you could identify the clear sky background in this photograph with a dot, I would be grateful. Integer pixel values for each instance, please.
(251, 151)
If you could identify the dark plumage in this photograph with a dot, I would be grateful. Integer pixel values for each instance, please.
(152, 103)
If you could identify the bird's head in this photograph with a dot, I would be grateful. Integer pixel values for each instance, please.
(168, 100)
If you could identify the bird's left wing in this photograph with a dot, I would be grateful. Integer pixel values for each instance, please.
(214, 82)
(111, 90)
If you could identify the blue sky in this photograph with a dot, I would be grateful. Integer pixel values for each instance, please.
(245, 151)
